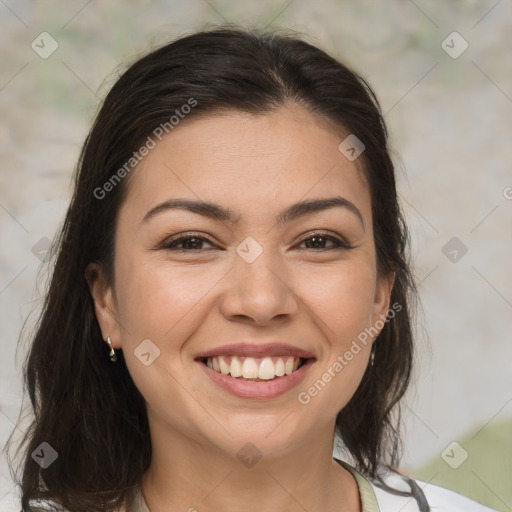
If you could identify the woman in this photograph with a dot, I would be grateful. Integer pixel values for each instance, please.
(231, 291)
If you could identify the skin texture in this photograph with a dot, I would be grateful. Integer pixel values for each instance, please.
(294, 292)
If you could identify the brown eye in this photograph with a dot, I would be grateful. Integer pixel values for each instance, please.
(187, 242)
(318, 241)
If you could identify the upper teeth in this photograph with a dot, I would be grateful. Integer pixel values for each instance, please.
(265, 368)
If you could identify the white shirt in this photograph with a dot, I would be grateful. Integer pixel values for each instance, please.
(426, 497)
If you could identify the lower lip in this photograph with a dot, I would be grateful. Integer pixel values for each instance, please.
(258, 390)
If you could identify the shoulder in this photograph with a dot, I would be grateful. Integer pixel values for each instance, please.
(425, 497)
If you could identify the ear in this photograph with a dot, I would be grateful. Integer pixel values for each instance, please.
(104, 303)
(383, 289)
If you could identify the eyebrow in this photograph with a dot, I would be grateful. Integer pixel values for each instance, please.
(217, 212)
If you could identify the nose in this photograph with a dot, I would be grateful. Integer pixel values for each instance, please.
(259, 291)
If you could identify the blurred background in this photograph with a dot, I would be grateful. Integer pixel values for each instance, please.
(442, 72)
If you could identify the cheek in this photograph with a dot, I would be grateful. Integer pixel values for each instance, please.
(342, 302)
(158, 300)
(341, 297)
(162, 304)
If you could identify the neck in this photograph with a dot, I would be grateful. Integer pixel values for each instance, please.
(191, 476)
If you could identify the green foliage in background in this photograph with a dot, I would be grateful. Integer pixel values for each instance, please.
(486, 475)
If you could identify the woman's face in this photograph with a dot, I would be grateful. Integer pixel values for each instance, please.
(255, 279)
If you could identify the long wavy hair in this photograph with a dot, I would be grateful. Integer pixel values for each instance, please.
(90, 410)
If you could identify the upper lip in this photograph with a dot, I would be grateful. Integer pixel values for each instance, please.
(256, 350)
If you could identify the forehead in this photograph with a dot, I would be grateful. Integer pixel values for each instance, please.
(249, 161)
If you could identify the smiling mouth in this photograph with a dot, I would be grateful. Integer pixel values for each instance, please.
(254, 369)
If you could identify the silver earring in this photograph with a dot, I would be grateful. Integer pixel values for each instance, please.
(112, 354)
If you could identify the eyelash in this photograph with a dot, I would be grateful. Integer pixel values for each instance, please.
(338, 243)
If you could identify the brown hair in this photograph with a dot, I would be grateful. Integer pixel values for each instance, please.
(90, 411)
